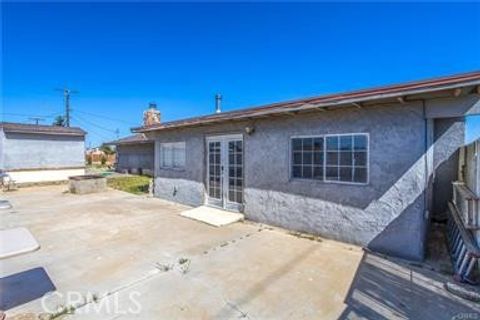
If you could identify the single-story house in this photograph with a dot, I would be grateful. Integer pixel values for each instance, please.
(135, 154)
(368, 167)
(40, 153)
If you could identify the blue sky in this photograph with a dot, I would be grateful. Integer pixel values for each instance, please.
(121, 56)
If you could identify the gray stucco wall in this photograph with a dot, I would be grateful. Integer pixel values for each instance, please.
(35, 151)
(449, 136)
(408, 143)
(135, 156)
(387, 215)
(376, 215)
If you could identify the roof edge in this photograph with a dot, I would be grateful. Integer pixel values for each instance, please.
(351, 97)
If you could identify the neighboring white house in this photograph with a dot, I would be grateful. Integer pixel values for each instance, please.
(39, 153)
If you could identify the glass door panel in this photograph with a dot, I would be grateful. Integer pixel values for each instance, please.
(215, 170)
(225, 178)
(235, 171)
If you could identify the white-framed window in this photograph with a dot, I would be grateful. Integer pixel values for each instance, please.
(308, 157)
(331, 158)
(172, 155)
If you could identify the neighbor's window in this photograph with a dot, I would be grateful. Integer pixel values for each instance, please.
(331, 158)
(172, 155)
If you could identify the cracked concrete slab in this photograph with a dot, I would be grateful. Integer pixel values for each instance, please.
(138, 254)
(266, 275)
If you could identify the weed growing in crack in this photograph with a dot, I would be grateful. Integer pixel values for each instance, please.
(163, 267)
(183, 260)
(184, 265)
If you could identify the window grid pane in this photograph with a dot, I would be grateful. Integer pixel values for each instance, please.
(307, 158)
(235, 171)
(333, 158)
(351, 157)
(214, 179)
(172, 155)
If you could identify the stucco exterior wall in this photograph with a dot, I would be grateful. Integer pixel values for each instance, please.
(34, 151)
(135, 156)
(449, 136)
(387, 215)
(377, 215)
(187, 185)
(413, 153)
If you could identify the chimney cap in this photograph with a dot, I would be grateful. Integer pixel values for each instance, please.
(152, 105)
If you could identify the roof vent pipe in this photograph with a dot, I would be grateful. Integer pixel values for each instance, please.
(218, 103)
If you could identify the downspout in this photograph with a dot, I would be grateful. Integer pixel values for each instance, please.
(427, 191)
(427, 173)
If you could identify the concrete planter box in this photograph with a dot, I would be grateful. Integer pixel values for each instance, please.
(87, 184)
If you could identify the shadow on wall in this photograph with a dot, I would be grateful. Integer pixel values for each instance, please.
(394, 220)
(441, 159)
(383, 289)
(23, 287)
(393, 238)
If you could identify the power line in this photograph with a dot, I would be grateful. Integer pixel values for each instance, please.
(94, 124)
(105, 117)
(94, 132)
(30, 115)
(53, 115)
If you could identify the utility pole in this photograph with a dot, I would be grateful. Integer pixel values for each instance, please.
(117, 133)
(66, 94)
(37, 119)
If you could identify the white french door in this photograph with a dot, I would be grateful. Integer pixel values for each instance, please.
(225, 171)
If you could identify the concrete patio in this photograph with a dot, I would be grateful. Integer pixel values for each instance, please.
(140, 255)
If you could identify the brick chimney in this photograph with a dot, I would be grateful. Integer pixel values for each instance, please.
(151, 116)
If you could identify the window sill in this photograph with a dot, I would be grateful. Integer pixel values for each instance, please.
(358, 184)
(172, 169)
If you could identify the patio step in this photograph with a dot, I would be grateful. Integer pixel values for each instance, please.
(212, 216)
